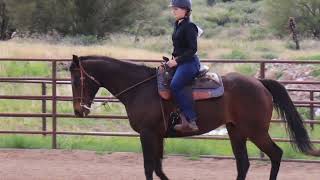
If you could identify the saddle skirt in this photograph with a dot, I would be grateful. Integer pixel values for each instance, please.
(207, 85)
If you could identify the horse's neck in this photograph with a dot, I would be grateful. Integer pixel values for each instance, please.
(116, 76)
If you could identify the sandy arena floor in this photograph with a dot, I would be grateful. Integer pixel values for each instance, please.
(87, 165)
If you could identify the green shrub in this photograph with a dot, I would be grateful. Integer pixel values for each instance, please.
(84, 40)
(304, 112)
(211, 32)
(312, 57)
(211, 2)
(258, 33)
(247, 69)
(219, 17)
(291, 45)
(235, 54)
(262, 48)
(316, 72)
(269, 56)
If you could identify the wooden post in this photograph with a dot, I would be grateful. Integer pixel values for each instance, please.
(262, 70)
(292, 27)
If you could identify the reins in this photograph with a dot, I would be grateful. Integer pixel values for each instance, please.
(83, 74)
(138, 84)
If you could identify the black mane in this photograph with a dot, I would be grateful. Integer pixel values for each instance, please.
(150, 70)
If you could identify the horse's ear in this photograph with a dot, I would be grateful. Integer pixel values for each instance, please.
(75, 59)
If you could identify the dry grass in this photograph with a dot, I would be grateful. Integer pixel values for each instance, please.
(122, 46)
(215, 48)
(40, 49)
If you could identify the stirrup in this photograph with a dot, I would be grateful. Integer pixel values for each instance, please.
(186, 126)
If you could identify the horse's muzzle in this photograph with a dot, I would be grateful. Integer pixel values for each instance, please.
(83, 112)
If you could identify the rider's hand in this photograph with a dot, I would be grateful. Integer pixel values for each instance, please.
(172, 63)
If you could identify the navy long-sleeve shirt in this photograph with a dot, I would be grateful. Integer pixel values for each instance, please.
(184, 40)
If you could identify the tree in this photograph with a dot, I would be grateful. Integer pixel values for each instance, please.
(4, 20)
(20, 13)
(306, 13)
(72, 17)
(42, 17)
(64, 17)
(211, 2)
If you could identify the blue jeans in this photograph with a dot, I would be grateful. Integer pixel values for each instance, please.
(183, 76)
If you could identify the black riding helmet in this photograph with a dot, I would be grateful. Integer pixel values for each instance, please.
(185, 4)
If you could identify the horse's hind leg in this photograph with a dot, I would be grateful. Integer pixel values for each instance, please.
(238, 142)
(265, 144)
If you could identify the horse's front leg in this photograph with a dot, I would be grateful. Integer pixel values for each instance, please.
(158, 159)
(147, 139)
(152, 146)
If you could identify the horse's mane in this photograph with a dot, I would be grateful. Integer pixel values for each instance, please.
(151, 70)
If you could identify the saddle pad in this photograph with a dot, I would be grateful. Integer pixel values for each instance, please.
(205, 87)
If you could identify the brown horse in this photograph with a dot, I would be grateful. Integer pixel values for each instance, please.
(245, 108)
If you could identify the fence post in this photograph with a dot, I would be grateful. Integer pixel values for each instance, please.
(262, 70)
(44, 107)
(262, 76)
(311, 109)
(54, 104)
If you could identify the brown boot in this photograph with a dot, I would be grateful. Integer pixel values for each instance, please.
(193, 126)
(186, 126)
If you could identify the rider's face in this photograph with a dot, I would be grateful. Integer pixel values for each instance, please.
(178, 13)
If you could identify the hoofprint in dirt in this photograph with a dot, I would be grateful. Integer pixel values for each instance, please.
(89, 165)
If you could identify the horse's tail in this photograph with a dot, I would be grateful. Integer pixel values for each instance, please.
(286, 109)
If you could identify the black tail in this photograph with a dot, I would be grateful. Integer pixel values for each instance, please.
(286, 109)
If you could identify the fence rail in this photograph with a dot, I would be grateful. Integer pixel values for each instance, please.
(54, 98)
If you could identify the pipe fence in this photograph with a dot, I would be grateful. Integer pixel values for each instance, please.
(311, 103)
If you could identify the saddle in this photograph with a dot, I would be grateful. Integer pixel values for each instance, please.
(205, 86)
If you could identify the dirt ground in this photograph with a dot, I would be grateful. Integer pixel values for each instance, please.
(88, 165)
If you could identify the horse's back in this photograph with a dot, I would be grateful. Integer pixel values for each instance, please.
(246, 104)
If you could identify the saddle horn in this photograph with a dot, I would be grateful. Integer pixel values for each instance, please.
(166, 59)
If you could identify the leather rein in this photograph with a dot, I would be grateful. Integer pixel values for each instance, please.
(84, 73)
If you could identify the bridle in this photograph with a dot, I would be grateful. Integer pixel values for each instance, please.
(83, 74)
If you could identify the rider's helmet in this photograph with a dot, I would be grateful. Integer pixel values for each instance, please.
(184, 4)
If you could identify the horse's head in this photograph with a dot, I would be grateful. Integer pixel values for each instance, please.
(84, 87)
